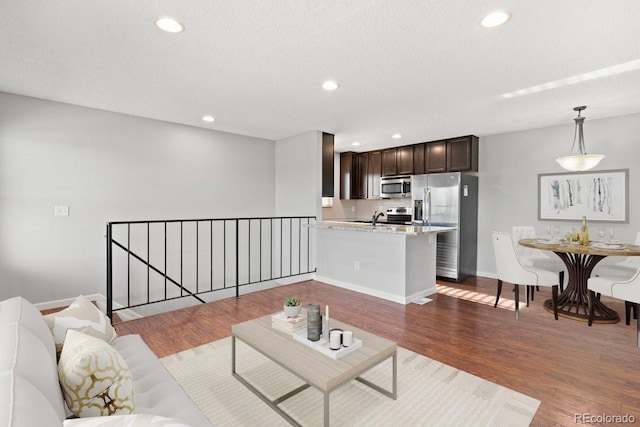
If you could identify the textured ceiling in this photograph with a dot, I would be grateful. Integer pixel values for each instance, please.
(425, 69)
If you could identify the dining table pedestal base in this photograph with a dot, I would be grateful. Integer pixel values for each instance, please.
(601, 313)
(573, 303)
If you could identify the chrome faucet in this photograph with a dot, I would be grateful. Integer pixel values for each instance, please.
(375, 217)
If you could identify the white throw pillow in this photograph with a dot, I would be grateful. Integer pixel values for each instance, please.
(81, 316)
(133, 420)
(95, 379)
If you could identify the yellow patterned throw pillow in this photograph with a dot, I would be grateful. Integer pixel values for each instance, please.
(82, 316)
(95, 379)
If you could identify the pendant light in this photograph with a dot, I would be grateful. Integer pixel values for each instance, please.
(581, 161)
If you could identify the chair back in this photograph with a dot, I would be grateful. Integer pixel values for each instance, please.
(628, 290)
(632, 261)
(520, 232)
(508, 264)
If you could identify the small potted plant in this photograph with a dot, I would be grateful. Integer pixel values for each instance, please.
(292, 307)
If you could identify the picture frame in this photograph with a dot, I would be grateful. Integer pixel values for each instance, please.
(600, 196)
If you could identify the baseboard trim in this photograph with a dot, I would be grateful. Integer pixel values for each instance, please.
(375, 293)
(487, 274)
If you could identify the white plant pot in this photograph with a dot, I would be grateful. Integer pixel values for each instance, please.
(292, 311)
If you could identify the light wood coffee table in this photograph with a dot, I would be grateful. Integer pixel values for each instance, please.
(314, 368)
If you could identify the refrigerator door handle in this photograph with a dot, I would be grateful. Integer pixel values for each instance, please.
(426, 207)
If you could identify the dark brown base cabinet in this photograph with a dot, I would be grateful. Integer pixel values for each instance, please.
(360, 172)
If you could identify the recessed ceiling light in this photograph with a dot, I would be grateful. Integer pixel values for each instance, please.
(396, 136)
(169, 25)
(330, 85)
(208, 118)
(495, 19)
(355, 144)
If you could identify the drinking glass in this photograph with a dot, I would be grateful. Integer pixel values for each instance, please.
(601, 234)
(572, 234)
(610, 234)
(548, 231)
(556, 231)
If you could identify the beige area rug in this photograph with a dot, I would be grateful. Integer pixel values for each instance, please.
(430, 393)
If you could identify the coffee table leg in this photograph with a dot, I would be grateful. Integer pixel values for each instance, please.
(395, 376)
(326, 409)
(394, 367)
(233, 354)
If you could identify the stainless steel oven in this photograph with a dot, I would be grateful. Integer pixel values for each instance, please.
(401, 215)
(396, 186)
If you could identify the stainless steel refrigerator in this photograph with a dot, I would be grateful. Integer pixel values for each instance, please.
(449, 199)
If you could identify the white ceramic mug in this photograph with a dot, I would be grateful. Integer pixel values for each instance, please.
(347, 338)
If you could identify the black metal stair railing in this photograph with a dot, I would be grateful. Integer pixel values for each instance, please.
(149, 262)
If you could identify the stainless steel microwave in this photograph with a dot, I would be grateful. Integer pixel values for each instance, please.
(396, 186)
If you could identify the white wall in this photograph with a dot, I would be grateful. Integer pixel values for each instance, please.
(299, 175)
(509, 168)
(109, 167)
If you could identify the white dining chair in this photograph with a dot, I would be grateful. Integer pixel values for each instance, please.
(627, 290)
(511, 270)
(534, 257)
(623, 271)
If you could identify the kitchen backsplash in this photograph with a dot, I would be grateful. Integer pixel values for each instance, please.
(361, 209)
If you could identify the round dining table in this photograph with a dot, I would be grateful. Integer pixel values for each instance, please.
(580, 261)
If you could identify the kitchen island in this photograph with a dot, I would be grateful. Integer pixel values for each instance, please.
(394, 262)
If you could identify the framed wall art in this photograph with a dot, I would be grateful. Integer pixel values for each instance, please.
(600, 196)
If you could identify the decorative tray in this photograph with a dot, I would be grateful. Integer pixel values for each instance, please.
(323, 345)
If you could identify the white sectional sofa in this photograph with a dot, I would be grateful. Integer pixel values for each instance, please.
(30, 393)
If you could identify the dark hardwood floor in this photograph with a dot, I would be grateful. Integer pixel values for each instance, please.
(570, 367)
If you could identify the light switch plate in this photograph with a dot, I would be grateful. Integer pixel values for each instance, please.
(61, 211)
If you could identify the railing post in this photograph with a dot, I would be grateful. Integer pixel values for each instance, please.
(237, 258)
(109, 274)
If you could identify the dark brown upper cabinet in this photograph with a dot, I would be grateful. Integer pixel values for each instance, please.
(462, 154)
(327, 165)
(353, 175)
(347, 167)
(404, 160)
(374, 172)
(362, 162)
(389, 167)
(418, 159)
(360, 172)
(436, 156)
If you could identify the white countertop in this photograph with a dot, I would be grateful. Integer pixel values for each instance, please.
(413, 230)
